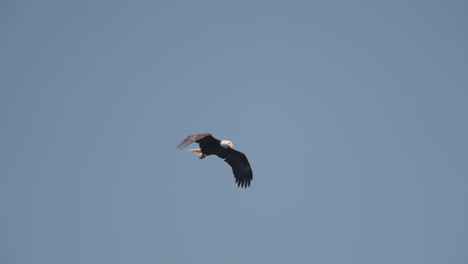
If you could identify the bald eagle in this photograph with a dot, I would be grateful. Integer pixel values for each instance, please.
(223, 149)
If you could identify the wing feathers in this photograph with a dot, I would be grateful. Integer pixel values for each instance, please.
(240, 167)
(190, 139)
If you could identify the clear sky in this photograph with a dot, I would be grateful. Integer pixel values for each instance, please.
(353, 115)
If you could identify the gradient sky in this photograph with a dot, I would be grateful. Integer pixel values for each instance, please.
(353, 115)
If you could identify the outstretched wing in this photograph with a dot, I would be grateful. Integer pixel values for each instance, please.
(240, 167)
(205, 138)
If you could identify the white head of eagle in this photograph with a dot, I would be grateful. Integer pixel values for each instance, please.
(225, 150)
(226, 144)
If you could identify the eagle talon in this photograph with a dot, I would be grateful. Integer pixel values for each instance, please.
(202, 156)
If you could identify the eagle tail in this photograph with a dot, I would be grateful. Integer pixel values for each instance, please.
(198, 152)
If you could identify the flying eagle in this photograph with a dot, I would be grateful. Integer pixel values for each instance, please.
(223, 149)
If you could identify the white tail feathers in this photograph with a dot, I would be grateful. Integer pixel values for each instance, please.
(197, 152)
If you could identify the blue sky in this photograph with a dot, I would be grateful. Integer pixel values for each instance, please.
(352, 114)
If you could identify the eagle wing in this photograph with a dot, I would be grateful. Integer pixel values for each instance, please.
(240, 167)
(204, 138)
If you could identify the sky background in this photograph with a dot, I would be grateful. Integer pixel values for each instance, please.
(353, 115)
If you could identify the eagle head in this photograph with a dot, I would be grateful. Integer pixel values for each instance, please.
(226, 144)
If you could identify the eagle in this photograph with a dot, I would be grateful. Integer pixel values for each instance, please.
(223, 149)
